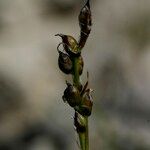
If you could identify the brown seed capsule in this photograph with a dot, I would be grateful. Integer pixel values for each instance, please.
(72, 95)
(64, 63)
(87, 103)
(70, 45)
(86, 108)
(85, 22)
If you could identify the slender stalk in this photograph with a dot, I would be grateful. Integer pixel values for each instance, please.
(71, 62)
(82, 141)
(83, 136)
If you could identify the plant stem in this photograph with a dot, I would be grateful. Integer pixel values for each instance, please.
(83, 136)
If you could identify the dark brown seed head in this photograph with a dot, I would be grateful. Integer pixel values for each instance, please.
(85, 22)
(64, 63)
(72, 95)
(86, 108)
(87, 103)
(70, 44)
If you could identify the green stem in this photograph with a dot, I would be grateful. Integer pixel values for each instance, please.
(82, 141)
(83, 136)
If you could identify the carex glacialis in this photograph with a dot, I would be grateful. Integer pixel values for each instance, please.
(78, 97)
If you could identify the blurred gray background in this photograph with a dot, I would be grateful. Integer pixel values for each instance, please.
(117, 56)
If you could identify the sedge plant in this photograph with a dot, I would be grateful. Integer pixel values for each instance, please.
(70, 62)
